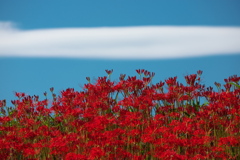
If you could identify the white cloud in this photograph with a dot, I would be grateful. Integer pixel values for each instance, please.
(146, 42)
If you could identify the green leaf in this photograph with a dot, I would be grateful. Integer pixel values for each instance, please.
(130, 109)
(205, 104)
(235, 84)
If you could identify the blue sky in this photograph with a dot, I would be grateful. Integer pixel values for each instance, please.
(59, 43)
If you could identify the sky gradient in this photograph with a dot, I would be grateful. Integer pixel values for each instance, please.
(58, 44)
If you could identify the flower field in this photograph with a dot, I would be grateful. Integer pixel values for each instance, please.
(128, 119)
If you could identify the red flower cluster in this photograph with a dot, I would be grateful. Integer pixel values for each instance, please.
(129, 119)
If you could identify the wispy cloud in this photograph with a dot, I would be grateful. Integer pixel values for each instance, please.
(146, 42)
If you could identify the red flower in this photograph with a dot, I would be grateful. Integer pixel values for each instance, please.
(74, 156)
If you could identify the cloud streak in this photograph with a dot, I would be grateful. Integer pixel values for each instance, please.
(145, 42)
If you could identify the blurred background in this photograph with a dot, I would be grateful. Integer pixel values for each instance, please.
(59, 43)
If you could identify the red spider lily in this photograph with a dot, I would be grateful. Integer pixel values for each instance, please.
(129, 119)
(109, 71)
(191, 79)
